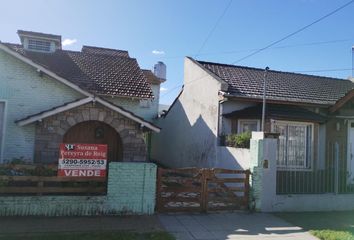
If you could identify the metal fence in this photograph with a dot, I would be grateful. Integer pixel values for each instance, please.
(327, 175)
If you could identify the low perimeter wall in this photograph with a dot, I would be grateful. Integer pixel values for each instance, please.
(313, 202)
(263, 192)
(130, 190)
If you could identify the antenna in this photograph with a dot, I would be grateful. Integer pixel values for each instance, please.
(353, 62)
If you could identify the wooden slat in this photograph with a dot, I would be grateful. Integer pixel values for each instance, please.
(180, 189)
(24, 190)
(51, 179)
(229, 171)
(232, 189)
(227, 180)
(180, 199)
(29, 166)
(224, 199)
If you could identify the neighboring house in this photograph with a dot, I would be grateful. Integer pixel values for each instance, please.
(314, 116)
(96, 95)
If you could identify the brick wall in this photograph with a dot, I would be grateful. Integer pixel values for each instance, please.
(131, 190)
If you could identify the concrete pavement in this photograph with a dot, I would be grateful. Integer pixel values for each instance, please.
(222, 226)
(34, 225)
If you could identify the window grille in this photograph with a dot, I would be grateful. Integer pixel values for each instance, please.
(39, 45)
(295, 145)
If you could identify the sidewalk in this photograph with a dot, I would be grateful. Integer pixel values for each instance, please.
(216, 226)
(25, 225)
(223, 226)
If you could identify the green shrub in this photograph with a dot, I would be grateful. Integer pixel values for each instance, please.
(241, 140)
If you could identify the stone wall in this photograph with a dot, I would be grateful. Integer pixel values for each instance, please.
(131, 190)
(50, 131)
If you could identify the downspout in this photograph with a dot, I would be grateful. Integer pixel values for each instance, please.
(217, 142)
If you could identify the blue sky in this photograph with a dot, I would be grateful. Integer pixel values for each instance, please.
(175, 29)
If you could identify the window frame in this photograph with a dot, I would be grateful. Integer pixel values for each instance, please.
(309, 153)
(3, 131)
(36, 46)
(241, 120)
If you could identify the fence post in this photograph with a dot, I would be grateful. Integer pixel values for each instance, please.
(204, 192)
(263, 168)
(247, 189)
(159, 206)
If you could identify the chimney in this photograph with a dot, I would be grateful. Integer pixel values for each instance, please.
(160, 70)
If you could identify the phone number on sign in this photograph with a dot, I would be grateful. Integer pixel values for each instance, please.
(83, 161)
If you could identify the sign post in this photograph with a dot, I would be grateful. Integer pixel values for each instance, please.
(82, 160)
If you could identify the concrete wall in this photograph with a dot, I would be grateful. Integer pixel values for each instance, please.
(189, 131)
(233, 158)
(131, 190)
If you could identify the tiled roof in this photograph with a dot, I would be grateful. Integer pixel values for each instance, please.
(97, 70)
(151, 77)
(279, 112)
(281, 86)
(108, 51)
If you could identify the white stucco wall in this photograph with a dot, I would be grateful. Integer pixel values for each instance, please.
(189, 131)
(233, 158)
(26, 93)
(148, 112)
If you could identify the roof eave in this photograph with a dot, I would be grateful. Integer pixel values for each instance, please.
(342, 101)
(120, 110)
(288, 102)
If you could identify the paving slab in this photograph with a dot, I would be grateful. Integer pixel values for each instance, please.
(229, 226)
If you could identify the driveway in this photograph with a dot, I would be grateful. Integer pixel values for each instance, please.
(222, 226)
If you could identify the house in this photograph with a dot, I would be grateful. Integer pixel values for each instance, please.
(314, 116)
(49, 95)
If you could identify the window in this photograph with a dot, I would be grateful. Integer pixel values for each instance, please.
(247, 125)
(295, 144)
(2, 122)
(39, 45)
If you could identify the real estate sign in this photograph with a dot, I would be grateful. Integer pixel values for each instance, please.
(82, 160)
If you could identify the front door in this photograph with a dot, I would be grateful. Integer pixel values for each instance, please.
(96, 132)
(350, 160)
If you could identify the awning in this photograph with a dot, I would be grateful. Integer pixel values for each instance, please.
(278, 111)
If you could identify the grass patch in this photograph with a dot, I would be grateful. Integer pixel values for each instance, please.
(332, 235)
(324, 225)
(92, 236)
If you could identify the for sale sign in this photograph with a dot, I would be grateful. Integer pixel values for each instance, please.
(82, 160)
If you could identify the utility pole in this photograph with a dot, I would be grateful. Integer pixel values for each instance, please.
(264, 96)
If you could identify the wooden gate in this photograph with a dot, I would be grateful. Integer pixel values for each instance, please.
(202, 190)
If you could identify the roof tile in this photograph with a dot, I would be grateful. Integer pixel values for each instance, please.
(282, 86)
(97, 70)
